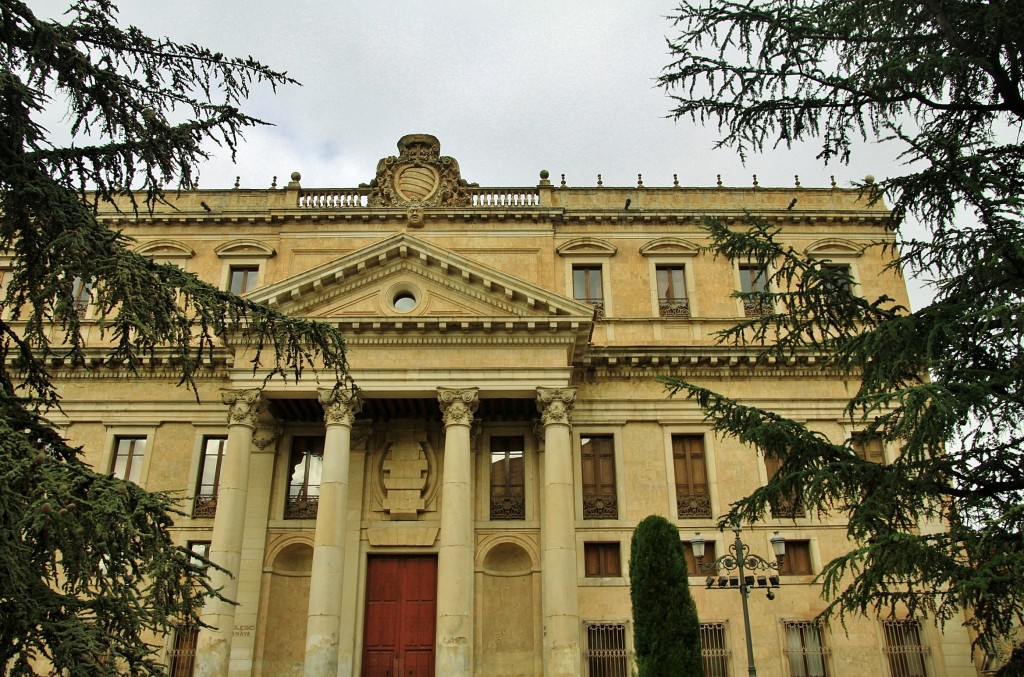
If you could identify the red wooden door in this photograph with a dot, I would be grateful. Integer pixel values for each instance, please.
(401, 606)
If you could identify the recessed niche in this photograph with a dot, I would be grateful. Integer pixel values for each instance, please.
(404, 301)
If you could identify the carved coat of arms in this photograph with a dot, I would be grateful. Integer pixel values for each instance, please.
(419, 177)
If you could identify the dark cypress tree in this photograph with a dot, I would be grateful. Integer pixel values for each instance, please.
(666, 631)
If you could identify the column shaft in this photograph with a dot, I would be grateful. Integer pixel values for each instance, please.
(214, 648)
(558, 538)
(326, 578)
(455, 555)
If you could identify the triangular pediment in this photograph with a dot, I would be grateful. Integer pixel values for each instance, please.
(406, 278)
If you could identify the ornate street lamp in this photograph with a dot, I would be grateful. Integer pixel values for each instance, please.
(740, 559)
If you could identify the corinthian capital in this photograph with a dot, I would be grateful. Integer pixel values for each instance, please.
(243, 406)
(555, 405)
(340, 405)
(458, 405)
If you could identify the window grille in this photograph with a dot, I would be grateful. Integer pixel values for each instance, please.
(606, 654)
(183, 655)
(805, 651)
(672, 298)
(752, 281)
(715, 650)
(904, 649)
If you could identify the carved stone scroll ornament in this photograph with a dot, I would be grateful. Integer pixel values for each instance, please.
(458, 405)
(419, 177)
(340, 406)
(555, 405)
(244, 406)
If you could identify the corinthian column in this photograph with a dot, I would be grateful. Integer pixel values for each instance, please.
(324, 621)
(455, 556)
(558, 537)
(246, 408)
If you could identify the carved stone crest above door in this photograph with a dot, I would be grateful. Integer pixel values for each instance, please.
(419, 177)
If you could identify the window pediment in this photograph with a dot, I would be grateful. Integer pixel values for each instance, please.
(586, 246)
(834, 247)
(166, 249)
(244, 248)
(669, 246)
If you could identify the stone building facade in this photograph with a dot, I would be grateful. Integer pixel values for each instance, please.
(468, 511)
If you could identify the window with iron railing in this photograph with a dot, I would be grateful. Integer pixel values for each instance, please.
(508, 486)
(753, 281)
(307, 461)
(805, 649)
(672, 298)
(714, 649)
(904, 649)
(606, 653)
(692, 498)
(205, 504)
(787, 505)
(587, 286)
(600, 500)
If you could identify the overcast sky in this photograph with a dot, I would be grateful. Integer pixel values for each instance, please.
(509, 88)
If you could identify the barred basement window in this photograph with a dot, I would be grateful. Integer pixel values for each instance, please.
(307, 461)
(904, 649)
(805, 651)
(183, 655)
(606, 654)
(714, 650)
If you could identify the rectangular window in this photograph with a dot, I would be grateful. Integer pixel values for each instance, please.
(714, 650)
(183, 655)
(783, 506)
(606, 654)
(691, 562)
(869, 449)
(598, 466)
(306, 464)
(692, 499)
(205, 504)
(243, 278)
(200, 548)
(508, 497)
(602, 560)
(587, 287)
(838, 281)
(672, 298)
(805, 650)
(797, 561)
(128, 455)
(81, 294)
(904, 649)
(753, 280)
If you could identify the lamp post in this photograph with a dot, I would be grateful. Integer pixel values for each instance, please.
(740, 559)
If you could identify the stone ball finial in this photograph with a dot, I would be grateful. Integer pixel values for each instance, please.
(296, 176)
(869, 179)
(544, 174)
